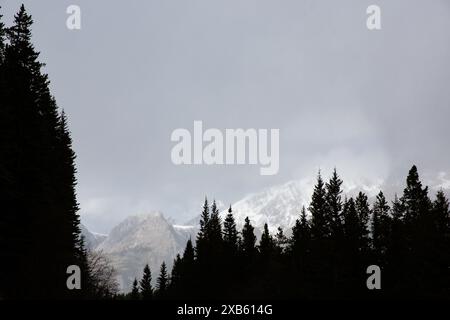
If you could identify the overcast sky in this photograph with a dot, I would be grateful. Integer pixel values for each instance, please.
(371, 103)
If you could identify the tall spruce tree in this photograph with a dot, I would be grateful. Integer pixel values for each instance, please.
(37, 161)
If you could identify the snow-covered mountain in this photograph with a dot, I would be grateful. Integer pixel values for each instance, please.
(152, 239)
(280, 206)
(92, 239)
(143, 239)
(276, 206)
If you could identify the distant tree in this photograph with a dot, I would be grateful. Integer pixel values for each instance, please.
(266, 244)
(202, 235)
(2, 38)
(362, 207)
(441, 215)
(189, 272)
(397, 250)
(134, 295)
(334, 204)
(176, 276)
(352, 229)
(335, 246)
(415, 198)
(301, 236)
(189, 253)
(145, 284)
(162, 281)
(215, 226)
(381, 227)
(248, 239)
(439, 254)
(230, 233)
(281, 241)
(320, 226)
(417, 232)
(352, 267)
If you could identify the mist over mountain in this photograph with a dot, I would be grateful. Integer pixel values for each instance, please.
(152, 238)
(142, 239)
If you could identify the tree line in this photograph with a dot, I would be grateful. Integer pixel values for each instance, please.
(326, 254)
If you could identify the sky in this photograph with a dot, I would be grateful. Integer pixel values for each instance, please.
(369, 102)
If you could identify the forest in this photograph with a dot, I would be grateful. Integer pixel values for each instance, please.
(324, 256)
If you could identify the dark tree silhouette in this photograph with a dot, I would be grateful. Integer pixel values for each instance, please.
(162, 282)
(134, 295)
(39, 220)
(327, 253)
(381, 224)
(230, 234)
(145, 285)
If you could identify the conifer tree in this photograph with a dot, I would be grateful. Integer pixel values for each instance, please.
(381, 227)
(334, 204)
(215, 227)
(2, 38)
(202, 235)
(189, 253)
(301, 235)
(281, 241)
(352, 229)
(230, 233)
(266, 244)
(145, 284)
(415, 198)
(362, 207)
(417, 232)
(134, 295)
(441, 215)
(439, 254)
(37, 161)
(162, 281)
(320, 227)
(350, 276)
(188, 273)
(176, 276)
(248, 239)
